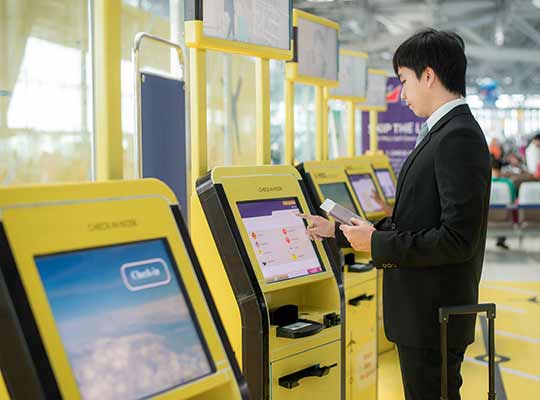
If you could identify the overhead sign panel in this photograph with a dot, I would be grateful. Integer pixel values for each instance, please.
(317, 50)
(352, 76)
(376, 91)
(258, 22)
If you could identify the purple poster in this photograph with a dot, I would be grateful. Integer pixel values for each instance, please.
(397, 128)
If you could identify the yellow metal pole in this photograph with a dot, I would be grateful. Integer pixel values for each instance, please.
(197, 86)
(319, 124)
(324, 125)
(262, 96)
(289, 122)
(373, 140)
(351, 127)
(109, 153)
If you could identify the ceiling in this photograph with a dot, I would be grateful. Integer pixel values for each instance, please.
(502, 37)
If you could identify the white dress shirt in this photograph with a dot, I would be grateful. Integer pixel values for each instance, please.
(443, 110)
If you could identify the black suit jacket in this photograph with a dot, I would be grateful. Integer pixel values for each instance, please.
(432, 248)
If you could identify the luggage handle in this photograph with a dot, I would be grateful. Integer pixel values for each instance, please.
(444, 315)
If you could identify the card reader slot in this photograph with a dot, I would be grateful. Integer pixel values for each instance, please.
(301, 328)
(355, 301)
(293, 380)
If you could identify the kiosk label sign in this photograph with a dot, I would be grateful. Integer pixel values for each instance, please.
(317, 50)
(257, 22)
(352, 77)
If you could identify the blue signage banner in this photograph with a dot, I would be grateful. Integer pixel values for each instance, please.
(164, 133)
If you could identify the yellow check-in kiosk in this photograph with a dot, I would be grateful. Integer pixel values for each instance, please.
(103, 298)
(328, 179)
(277, 287)
(364, 182)
(361, 176)
(385, 175)
(364, 168)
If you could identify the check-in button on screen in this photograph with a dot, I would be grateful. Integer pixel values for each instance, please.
(145, 274)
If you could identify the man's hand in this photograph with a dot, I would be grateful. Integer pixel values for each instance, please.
(319, 227)
(359, 234)
(383, 204)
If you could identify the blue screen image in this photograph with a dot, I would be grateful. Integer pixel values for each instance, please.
(124, 322)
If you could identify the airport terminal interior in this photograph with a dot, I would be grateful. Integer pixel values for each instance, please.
(160, 161)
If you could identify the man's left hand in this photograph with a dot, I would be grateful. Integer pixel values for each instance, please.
(359, 234)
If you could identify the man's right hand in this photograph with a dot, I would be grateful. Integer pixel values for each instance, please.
(319, 227)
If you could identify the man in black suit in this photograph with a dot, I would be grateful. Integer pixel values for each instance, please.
(432, 247)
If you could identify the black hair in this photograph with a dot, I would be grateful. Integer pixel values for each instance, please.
(496, 164)
(536, 137)
(443, 51)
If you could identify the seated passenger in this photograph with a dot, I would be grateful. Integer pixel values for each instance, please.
(496, 177)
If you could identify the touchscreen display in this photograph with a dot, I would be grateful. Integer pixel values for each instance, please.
(386, 183)
(339, 192)
(279, 239)
(364, 187)
(126, 325)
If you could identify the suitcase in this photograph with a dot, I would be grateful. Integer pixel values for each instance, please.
(444, 316)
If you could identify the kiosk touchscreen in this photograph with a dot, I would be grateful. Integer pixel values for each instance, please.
(364, 183)
(287, 331)
(278, 238)
(327, 179)
(385, 176)
(386, 183)
(364, 187)
(105, 291)
(339, 192)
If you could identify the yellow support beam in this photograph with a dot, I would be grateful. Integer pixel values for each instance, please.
(197, 91)
(108, 110)
(324, 125)
(351, 129)
(373, 139)
(262, 96)
(321, 140)
(289, 122)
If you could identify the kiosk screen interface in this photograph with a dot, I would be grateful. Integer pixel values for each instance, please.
(126, 325)
(279, 239)
(386, 183)
(340, 194)
(364, 187)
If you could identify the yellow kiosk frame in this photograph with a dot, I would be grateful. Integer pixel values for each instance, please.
(270, 363)
(350, 103)
(198, 43)
(373, 115)
(84, 217)
(321, 106)
(360, 286)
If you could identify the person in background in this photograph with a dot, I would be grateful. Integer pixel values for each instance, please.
(495, 149)
(514, 165)
(532, 154)
(496, 177)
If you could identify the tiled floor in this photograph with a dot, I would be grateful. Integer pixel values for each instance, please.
(511, 279)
